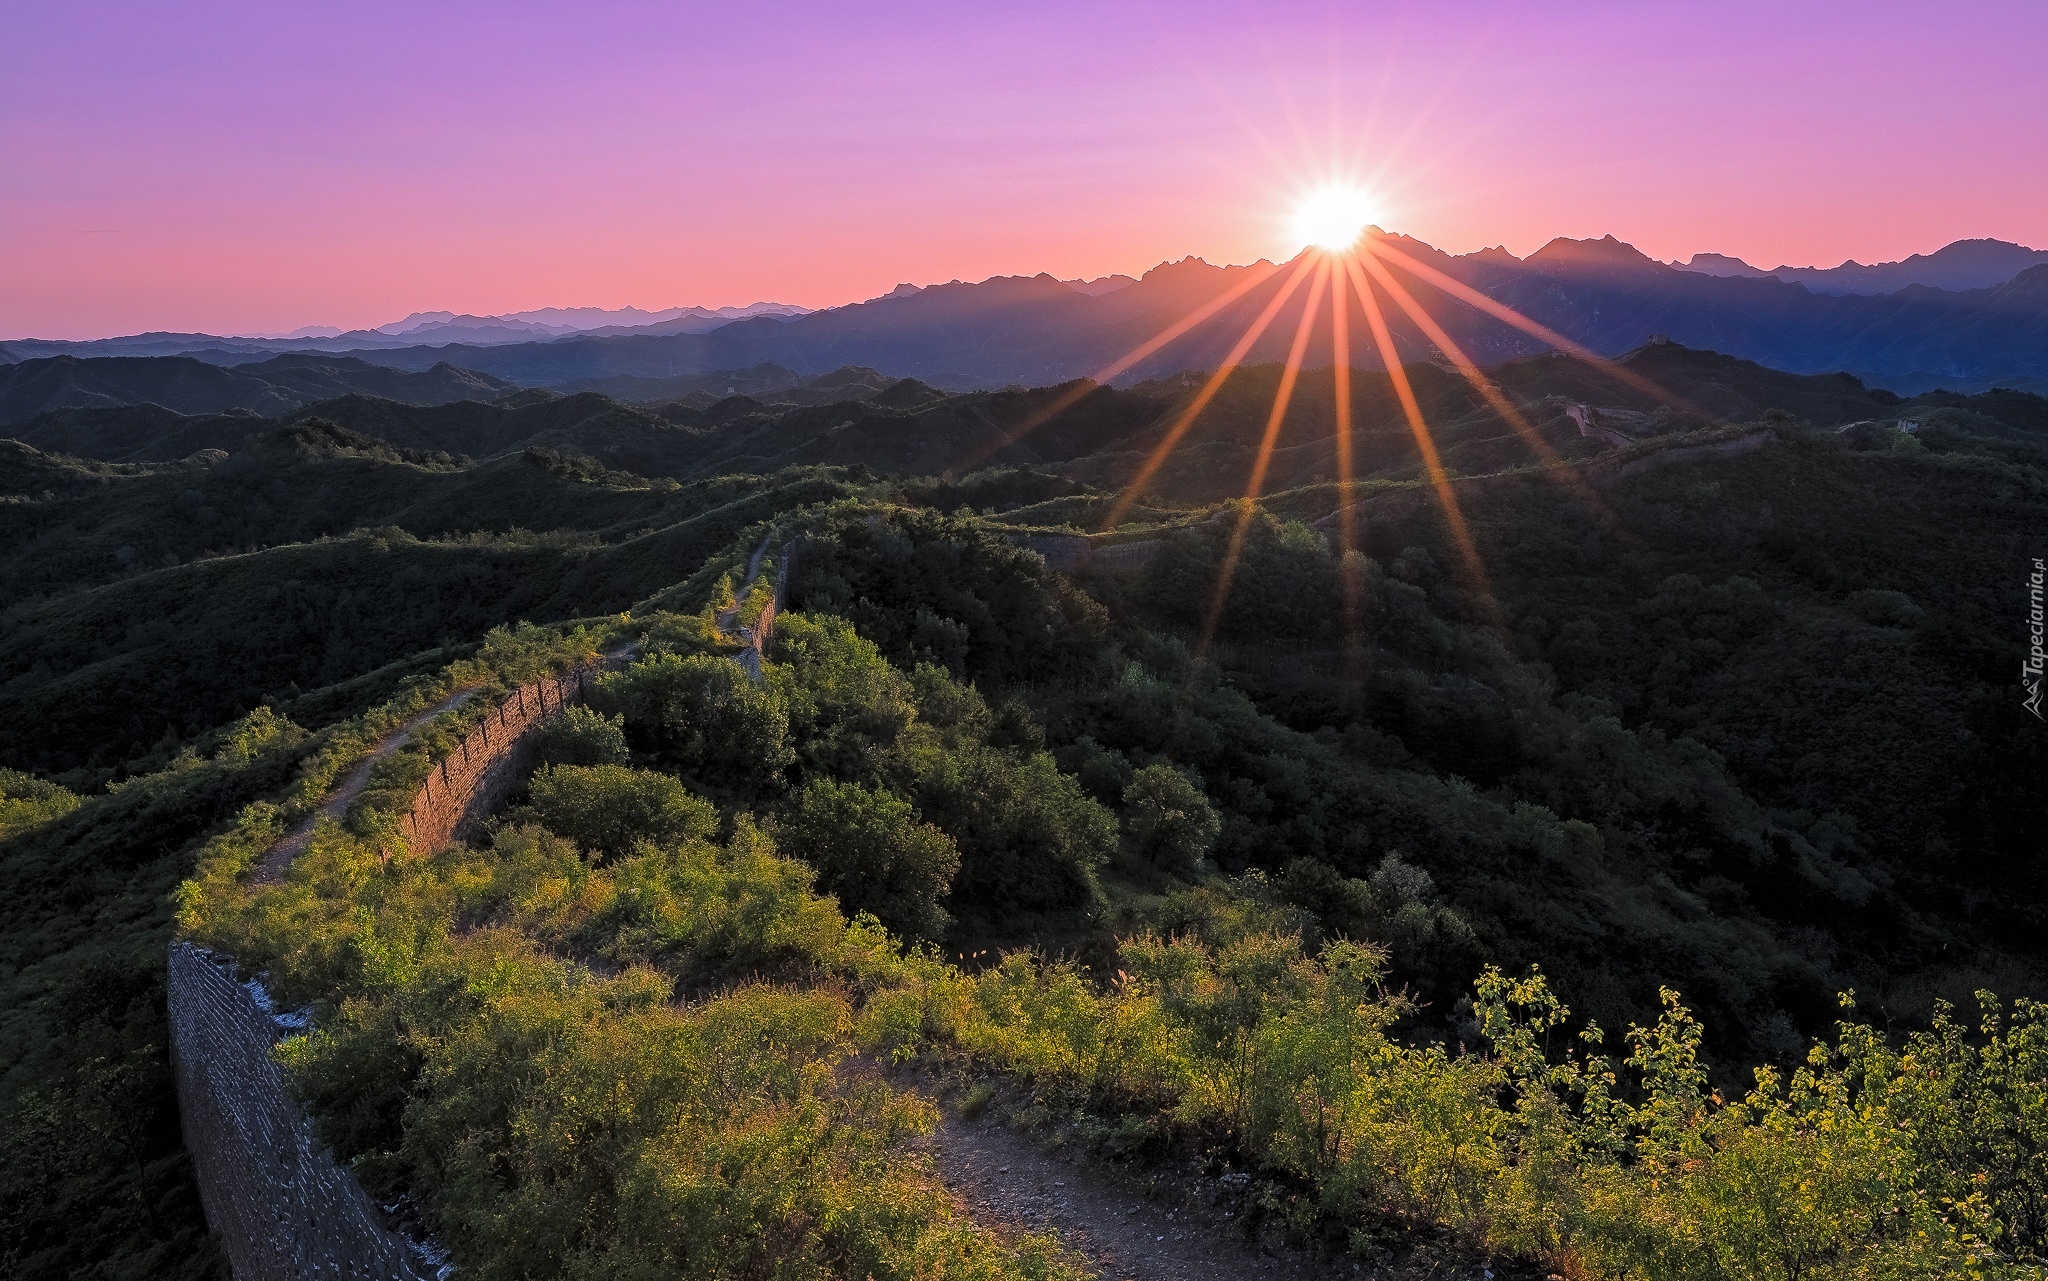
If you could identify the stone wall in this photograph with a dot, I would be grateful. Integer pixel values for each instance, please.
(1744, 444)
(283, 1208)
(757, 637)
(1071, 553)
(490, 760)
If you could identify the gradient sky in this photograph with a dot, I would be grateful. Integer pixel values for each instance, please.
(241, 168)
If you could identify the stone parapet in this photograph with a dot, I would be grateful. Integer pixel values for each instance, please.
(282, 1207)
(490, 760)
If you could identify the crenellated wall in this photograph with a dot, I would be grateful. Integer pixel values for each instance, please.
(491, 759)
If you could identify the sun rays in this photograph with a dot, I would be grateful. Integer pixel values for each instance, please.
(1281, 397)
(1351, 273)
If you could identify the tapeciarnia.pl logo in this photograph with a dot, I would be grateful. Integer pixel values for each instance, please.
(2030, 673)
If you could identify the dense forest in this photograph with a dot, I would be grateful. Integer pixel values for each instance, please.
(1308, 834)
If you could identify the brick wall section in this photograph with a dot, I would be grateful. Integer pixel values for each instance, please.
(757, 638)
(283, 1208)
(491, 759)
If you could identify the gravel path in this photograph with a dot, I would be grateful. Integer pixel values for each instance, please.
(1007, 1182)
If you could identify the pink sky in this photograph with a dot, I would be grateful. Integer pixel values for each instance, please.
(240, 168)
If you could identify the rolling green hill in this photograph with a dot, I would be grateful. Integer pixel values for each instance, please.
(1101, 437)
(185, 385)
(1739, 723)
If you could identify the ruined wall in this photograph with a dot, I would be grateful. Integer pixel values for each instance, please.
(1071, 553)
(490, 760)
(755, 638)
(282, 1206)
(1745, 444)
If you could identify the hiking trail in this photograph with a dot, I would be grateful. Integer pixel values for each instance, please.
(278, 858)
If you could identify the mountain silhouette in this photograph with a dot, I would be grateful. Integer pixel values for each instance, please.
(1037, 330)
(1964, 264)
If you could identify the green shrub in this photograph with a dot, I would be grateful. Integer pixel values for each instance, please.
(580, 736)
(1167, 820)
(872, 852)
(847, 705)
(608, 809)
(702, 718)
(1030, 839)
(26, 801)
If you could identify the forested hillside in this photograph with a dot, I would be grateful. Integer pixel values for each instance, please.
(186, 385)
(1201, 814)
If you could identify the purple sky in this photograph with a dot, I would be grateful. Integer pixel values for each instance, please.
(256, 167)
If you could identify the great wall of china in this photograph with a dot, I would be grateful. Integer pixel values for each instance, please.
(285, 1209)
(282, 1206)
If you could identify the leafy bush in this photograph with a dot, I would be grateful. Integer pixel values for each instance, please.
(26, 801)
(1168, 821)
(608, 809)
(1030, 839)
(872, 852)
(847, 705)
(700, 717)
(580, 736)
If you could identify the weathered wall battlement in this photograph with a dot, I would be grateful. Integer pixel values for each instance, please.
(490, 760)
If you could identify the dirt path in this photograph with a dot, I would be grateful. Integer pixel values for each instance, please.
(725, 617)
(1173, 1231)
(271, 867)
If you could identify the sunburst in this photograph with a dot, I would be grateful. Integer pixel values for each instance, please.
(1352, 271)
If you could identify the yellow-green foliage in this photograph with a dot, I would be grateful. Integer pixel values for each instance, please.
(759, 594)
(1632, 1170)
(26, 801)
(610, 808)
(645, 1067)
(561, 1119)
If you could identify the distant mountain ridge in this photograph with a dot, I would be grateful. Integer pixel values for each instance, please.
(418, 328)
(1039, 330)
(188, 386)
(1605, 294)
(575, 320)
(1963, 264)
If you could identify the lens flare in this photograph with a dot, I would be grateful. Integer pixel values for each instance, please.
(1333, 218)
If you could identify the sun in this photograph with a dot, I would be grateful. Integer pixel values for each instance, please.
(1333, 218)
